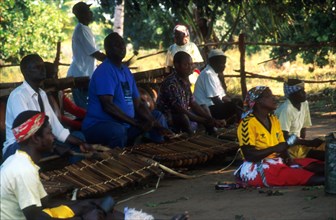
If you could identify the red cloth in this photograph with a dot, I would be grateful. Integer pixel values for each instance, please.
(71, 123)
(29, 127)
(75, 110)
(283, 175)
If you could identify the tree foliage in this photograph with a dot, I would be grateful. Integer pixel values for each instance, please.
(150, 22)
(30, 26)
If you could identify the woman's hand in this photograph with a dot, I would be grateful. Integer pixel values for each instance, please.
(291, 163)
(280, 148)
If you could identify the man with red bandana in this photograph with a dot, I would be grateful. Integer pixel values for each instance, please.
(22, 193)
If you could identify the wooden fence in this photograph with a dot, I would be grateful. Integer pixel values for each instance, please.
(156, 75)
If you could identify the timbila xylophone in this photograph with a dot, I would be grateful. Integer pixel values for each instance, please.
(94, 177)
(184, 152)
(122, 167)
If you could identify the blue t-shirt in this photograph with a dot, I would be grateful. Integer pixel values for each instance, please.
(109, 79)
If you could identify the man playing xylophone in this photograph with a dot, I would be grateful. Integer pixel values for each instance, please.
(22, 193)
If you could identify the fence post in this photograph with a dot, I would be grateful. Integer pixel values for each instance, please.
(242, 65)
(58, 54)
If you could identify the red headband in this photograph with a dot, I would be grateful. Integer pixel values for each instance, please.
(28, 128)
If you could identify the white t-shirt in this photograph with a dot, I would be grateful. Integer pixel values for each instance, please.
(293, 120)
(21, 186)
(190, 48)
(24, 98)
(207, 86)
(83, 45)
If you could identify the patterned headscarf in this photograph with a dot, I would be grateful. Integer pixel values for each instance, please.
(249, 102)
(29, 127)
(288, 90)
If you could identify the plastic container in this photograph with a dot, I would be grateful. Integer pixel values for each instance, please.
(330, 164)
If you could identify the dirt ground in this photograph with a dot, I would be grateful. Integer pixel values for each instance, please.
(199, 197)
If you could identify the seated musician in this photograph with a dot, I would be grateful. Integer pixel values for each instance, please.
(59, 100)
(30, 96)
(116, 116)
(264, 148)
(177, 102)
(294, 117)
(210, 91)
(22, 193)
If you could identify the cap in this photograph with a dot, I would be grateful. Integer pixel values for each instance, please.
(215, 52)
(181, 28)
(79, 7)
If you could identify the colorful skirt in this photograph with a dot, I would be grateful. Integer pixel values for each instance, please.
(274, 172)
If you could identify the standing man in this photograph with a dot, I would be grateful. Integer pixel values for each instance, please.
(116, 116)
(84, 50)
(294, 116)
(177, 102)
(182, 43)
(29, 96)
(209, 91)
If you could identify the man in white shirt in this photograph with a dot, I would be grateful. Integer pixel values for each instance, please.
(29, 96)
(209, 91)
(294, 117)
(85, 51)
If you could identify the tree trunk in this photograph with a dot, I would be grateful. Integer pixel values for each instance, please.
(119, 18)
(242, 48)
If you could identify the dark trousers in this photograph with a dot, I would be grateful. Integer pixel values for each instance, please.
(227, 110)
(118, 134)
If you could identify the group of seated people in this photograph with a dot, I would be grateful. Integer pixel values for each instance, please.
(116, 117)
(22, 193)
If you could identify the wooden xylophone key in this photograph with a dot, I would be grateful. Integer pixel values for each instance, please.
(112, 178)
(162, 152)
(199, 151)
(120, 169)
(137, 165)
(86, 177)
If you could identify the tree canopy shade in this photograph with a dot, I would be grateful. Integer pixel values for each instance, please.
(150, 22)
(29, 26)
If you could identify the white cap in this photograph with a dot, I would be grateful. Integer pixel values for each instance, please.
(181, 28)
(215, 52)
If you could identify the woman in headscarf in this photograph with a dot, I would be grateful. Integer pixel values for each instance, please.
(262, 144)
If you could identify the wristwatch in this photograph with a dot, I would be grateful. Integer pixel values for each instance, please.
(291, 140)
